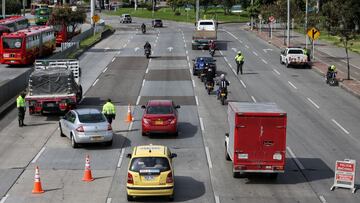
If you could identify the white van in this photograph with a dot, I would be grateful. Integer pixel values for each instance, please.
(206, 25)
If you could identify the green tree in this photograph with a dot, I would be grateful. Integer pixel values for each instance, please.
(65, 15)
(12, 7)
(342, 19)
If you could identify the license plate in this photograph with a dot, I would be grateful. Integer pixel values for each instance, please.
(50, 104)
(149, 178)
(96, 138)
(222, 94)
(159, 122)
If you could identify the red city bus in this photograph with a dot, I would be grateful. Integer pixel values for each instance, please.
(24, 46)
(15, 23)
(64, 33)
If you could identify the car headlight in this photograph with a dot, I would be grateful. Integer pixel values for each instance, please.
(277, 156)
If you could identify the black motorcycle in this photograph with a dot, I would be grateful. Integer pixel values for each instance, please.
(147, 52)
(212, 52)
(223, 96)
(143, 30)
(209, 86)
(331, 78)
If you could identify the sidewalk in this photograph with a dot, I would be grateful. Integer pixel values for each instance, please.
(325, 54)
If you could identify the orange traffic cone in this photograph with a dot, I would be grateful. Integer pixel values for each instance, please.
(87, 173)
(37, 183)
(129, 117)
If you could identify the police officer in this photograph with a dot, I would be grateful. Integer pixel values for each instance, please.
(109, 111)
(20, 104)
(239, 59)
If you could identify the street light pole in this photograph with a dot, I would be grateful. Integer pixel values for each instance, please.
(306, 23)
(135, 5)
(153, 8)
(197, 10)
(288, 23)
(251, 18)
(3, 8)
(92, 11)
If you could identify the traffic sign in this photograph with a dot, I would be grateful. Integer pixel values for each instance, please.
(260, 17)
(96, 18)
(271, 18)
(313, 33)
(345, 175)
(187, 9)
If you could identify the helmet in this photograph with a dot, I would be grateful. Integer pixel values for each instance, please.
(222, 76)
(201, 59)
(211, 41)
(332, 67)
(239, 52)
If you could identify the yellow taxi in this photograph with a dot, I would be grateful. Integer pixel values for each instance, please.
(150, 172)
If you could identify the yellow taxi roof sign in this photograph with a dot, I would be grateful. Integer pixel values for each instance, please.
(313, 33)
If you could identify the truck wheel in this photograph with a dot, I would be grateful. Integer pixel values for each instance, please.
(73, 142)
(273, 175)
(227, 157)
(61, 132)
(236, 175)
(109, 143)
(130, 198)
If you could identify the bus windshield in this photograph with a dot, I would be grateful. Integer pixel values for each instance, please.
(12, 43)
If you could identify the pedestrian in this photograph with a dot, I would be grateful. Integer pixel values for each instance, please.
(20, 105)
(239, 59)
(109, 111)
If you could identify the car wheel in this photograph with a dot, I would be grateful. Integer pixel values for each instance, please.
(176, 134)
(227, 157)
(130, 198)
(171, 198)
(61, 132)
(273, 175)
(109, 143)
(143, 133)
(194, 73)
(281, 62)
(73, 142)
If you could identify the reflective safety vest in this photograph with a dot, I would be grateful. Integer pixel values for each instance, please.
(239, 58)
(108, 108)
(20, 102)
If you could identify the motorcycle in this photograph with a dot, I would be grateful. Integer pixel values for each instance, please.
(209, 86)
(147, 53)
(223, 96)
(143, 30)
(331, 78)
(212, 52)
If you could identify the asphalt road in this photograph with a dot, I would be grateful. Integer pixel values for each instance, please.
(322, 124)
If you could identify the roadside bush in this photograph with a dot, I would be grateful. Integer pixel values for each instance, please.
(177, 13)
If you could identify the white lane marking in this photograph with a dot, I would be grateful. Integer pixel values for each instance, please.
(247, 46)
(226, 59)
(292, 85)
(240, 40)
(193, 82)
(342, 128)
(322, 199)
(230, 65)
(106, 48)
(234, 49)
(233, 71)
(298, 163)
(187, 52)
(208, 156)
(190, 70)
(189, 65)
(108, 200)
(119, 52)
(203, 50)
(4, 198)
(187, 57)
(147, 70)
(357, 67)
(95, 82)
(150, 60)
(221, 52)
(113, 59)
(125, 45)
(38, 155)
(231, 34)
(185, 46)
(253, 98)
(197, 101)
(143, 83)
(276, 71)
(255, 53)
(313, 103)
(264, 61)
(130, 126)
(105, 70)
(138, 100)
(217, 199)
(265, 50)
(121, 157)
(201, 124)
(243, 84)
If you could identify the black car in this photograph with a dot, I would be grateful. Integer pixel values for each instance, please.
(157, 23)
(209, 62)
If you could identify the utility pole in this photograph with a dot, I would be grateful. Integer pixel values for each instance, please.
(153, 8)
(306, 23)
(197, 10)
(92, 11)
(135, 5)
(24, 5)
(3, 8)
(252, 18)
(288, 23)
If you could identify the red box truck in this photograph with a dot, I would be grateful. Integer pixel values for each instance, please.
(256, 142)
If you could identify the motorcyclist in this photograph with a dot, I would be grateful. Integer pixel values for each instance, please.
(223, 84)
(331, 72)
(143, 27)
(147, 45)
(210, 75)
(239, 59)
(212, 45)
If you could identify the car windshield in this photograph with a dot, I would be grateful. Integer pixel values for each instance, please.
(12, 43)
(127, 16)
(158, 21)
(206, 23)
(92, 118)
(159, 110)
(295, 51)
(160, 163)
(207, 60)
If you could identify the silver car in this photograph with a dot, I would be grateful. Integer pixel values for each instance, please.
(86, 126)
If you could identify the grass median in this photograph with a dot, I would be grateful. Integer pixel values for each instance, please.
(183, 15)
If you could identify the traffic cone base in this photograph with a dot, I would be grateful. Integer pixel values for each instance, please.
(87, 176)
(37, 188)
(129, 117)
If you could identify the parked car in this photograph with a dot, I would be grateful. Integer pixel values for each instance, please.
(160, 116)
(157, 23)
(125, 18)
(150, 172)
(86, 126)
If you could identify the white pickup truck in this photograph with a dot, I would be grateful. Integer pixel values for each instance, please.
(294, 56)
